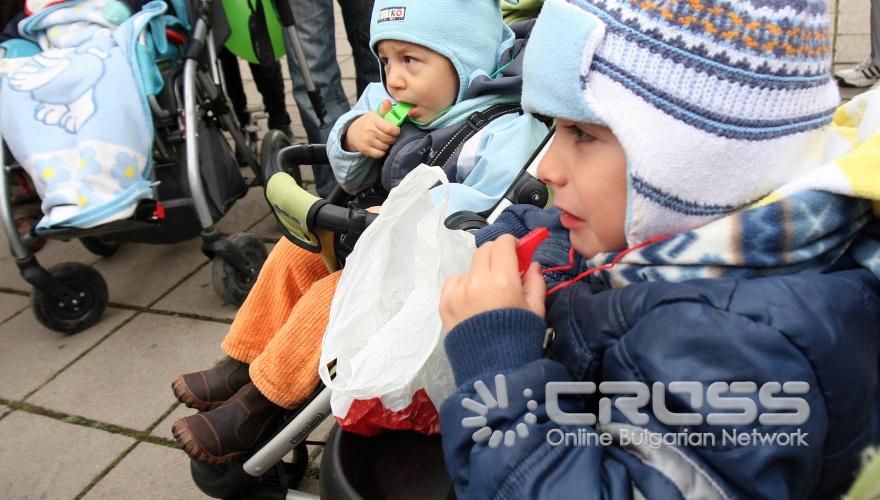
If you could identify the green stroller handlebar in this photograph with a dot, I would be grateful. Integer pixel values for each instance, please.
(310, 221)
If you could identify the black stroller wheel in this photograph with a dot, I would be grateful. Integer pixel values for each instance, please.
(101, 246)
(295, 470)
(231, 285)
(273, 142)
(81, 311)
(230, 481)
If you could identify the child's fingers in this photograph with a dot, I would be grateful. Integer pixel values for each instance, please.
(534, 289)
(385, 107)
(377, 143)
(385, 138)
(448, 296)
(388, 128)
(482, 258)
(504, 259)
(371, 152)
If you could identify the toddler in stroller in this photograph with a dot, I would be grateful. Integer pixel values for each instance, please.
(151, 167)
(274, 342)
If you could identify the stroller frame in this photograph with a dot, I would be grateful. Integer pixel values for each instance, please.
(241, 478)
(72, 296)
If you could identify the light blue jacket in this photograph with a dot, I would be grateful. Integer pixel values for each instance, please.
(481, 171)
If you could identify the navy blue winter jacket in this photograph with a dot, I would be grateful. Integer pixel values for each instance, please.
(822, 329)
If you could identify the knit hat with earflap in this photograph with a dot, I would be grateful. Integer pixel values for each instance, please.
(467, 32)
(715, 102)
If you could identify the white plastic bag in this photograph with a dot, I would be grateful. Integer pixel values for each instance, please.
(384, 332)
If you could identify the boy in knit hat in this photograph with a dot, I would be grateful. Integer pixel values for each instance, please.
(711, 246)
(430, 59)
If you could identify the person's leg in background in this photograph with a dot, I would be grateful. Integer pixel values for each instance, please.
(234, 86)
(270, 84)
(868, 72)
(875, 32)
(356, 16)
(315, 26)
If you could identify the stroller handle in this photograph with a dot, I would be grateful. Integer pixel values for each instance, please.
(303, 216)
(341, 219)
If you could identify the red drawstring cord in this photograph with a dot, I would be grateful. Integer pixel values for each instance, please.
(603, 267)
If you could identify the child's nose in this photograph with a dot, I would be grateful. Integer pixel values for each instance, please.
(393, 78)
(550, 170)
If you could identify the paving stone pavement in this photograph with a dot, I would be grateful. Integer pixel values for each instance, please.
(89, 415)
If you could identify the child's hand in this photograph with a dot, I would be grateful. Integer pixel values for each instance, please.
(493, 282)
(371, 135)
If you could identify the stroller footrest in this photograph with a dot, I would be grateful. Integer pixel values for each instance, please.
(148, 214)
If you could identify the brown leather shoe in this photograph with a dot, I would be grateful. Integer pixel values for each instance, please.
(208, 389)
(234, 428)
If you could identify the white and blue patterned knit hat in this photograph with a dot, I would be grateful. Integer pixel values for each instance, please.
(715, 102)
(467, 32)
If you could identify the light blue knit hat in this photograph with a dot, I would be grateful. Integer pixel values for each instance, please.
(467, 32)
(715, 102)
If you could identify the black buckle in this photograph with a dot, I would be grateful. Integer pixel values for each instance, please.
(477, 121)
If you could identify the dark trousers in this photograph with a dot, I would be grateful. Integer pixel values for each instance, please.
(315, 26)
(270, 84)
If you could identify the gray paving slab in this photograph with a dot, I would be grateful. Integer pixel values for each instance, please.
(831, 9)
(196, 295)
(855, 21)
(267, 228)
(848, 93)
(53, 253)
(126, 380)
(245, 213)
(309, 485)
(322, 432)
(856, 7)
(11, 304)
(851, 49)
(346, 67)
(163, 430)
(350, 87)
(139, 273)
(149, 471)
(31, 354)
(45, 458)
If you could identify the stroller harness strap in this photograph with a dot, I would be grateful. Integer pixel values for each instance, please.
(473, 124)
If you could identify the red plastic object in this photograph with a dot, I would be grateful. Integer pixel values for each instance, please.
(175, 37)
(159, 211)
(368, 417)
(527, 245)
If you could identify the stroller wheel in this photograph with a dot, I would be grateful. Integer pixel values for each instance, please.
(80, 312)
(101, 246)
(230, 480)
(231, 285)
(273, 142)
(294, 471)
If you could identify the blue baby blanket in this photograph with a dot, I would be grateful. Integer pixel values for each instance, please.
(76, 116)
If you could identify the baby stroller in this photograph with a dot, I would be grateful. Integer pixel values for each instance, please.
(389, 465)
(196, 180)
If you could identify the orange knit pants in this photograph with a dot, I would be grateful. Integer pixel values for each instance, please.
(281, 324)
